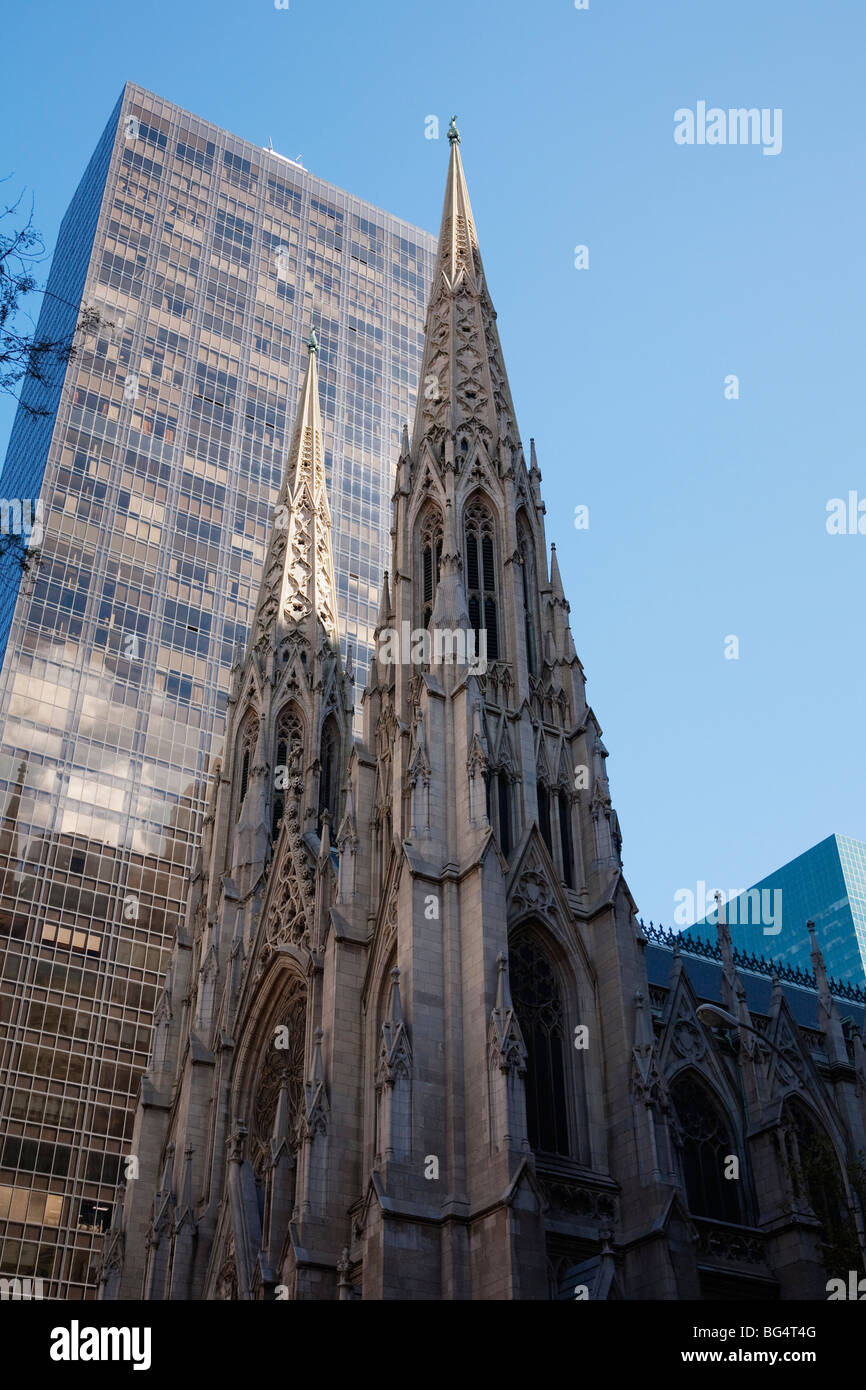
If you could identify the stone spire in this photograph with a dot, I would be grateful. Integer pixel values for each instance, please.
(730, 978)
(556, 588)
(386, 613)
(298, 590)
(463, 391)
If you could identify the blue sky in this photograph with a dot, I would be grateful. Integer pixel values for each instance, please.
(707, 515)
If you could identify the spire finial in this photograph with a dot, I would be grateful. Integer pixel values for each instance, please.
(453, 132)
(311, 343)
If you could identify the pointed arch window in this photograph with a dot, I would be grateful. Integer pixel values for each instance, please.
(705, 1143)
(329, 773)
(481, 589)
(526, 550)
(431, 560)
(537, 1001)
(288, 763)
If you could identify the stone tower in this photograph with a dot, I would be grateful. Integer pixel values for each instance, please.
(406, 1047)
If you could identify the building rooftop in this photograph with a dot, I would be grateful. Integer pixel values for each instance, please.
(702, 961)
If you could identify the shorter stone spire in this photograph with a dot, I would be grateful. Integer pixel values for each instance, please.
(396, 1002)
(298, 588)
(325, 839)
(385, 613)
(504, 1035)
(556, 579)
(730, 979)
(315, 1117)
(281, 1134)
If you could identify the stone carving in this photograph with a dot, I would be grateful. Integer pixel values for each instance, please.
(578, 1199)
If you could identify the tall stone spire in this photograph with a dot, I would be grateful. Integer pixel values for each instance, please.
(298, 590)
(463, 383)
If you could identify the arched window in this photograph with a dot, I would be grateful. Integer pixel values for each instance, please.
(329, 760)
(481, 576)
(538, 1005)
(526, 550)
(544, 816)
(706, 1143)
(288, 763)
(431, 559)
(247, 740)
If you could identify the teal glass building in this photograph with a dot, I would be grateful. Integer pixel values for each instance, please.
(826, 885)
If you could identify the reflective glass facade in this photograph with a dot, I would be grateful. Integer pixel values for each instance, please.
(827, 884)
(158, 463)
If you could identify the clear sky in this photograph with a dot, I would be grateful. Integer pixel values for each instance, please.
(707, 516)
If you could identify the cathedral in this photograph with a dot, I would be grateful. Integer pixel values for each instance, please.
(414, 1041)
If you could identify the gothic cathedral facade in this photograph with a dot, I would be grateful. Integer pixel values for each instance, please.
(408, 1046)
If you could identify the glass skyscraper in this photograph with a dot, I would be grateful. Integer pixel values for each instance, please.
(158, 462)
(826, 885)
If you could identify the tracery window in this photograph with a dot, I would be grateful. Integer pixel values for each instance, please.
(705, 1144)
(481, 592)
(538, 1005)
